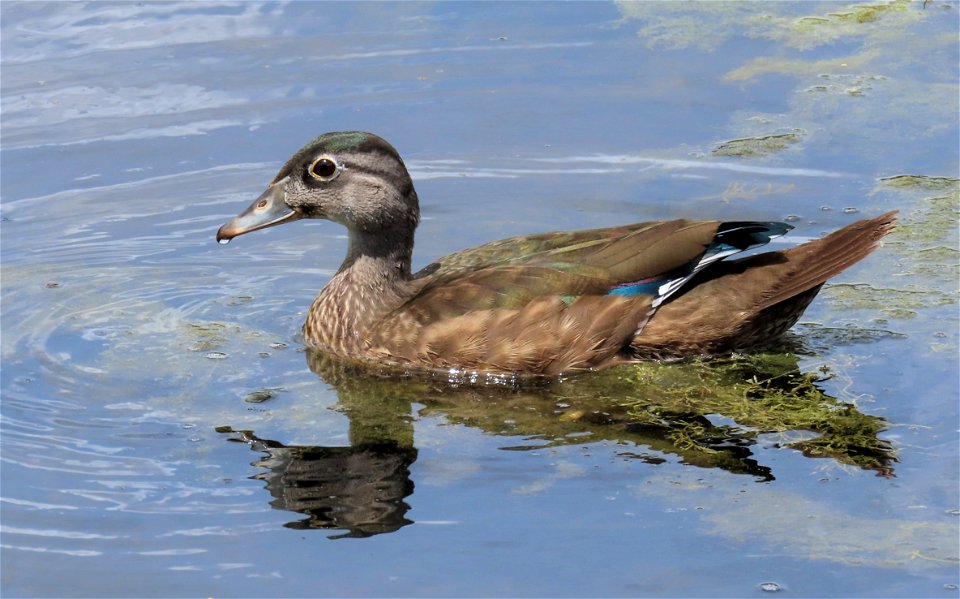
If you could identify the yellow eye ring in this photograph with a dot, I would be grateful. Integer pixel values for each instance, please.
(324, 168)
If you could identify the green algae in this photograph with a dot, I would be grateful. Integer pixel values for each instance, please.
(706, 25)
(859, 80)
(931, 224)
(262, 395)
(915, 276)
(926, 239)
(821, 339)
(932, 220)
(853, 20)
(757, 146)
(893, 303)
(764, 393)
(206, 336)
(670, 409)
(764, 519)
(802, 68)
(922, 182)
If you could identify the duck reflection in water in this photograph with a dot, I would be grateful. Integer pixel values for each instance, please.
(360, 488)
(654, 410)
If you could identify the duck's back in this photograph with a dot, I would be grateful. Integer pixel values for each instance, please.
(553, 303)
(546, 304)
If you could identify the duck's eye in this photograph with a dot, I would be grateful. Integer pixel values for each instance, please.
(324, 169)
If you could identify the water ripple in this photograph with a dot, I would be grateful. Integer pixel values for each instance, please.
(71, 552)
(63, 534)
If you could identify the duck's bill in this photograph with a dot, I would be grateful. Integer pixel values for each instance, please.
(266, 211)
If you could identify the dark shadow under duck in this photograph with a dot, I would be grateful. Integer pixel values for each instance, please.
(545, 304)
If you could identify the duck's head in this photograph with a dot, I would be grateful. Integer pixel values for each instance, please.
(350, 177)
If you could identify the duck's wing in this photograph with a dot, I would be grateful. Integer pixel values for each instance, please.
(632, 259)
(556, 302)
(530, 248)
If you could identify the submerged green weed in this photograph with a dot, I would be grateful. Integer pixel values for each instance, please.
(763, 394)
(708, 412)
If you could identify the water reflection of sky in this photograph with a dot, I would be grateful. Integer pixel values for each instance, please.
(131, 131)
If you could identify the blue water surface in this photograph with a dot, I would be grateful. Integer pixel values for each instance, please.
(165, 434)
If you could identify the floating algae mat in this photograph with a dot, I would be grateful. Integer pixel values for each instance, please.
(757, 146)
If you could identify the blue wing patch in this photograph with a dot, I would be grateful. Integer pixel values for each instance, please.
(731, 238)
(645, 287)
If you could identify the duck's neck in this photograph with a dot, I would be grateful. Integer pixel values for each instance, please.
(379, 258)
(372, 282)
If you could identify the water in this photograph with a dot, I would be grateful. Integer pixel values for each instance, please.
(165, 434)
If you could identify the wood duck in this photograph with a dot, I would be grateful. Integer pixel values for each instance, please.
(545, 304)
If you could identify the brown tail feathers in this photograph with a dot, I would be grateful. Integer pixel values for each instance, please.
(747, 302)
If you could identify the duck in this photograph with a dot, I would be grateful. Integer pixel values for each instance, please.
(547, 304)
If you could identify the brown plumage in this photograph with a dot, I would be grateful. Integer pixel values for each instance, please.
(540, 304)
(744, 303)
